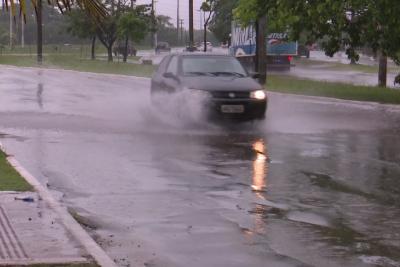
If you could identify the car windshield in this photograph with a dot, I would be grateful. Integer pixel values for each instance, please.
(215, 66)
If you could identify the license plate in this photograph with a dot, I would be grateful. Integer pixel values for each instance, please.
(232, 108)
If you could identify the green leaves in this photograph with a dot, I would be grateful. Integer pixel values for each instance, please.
(133, 25)
(337, 24)
(94, 8)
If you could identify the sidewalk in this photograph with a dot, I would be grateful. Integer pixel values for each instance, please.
(31, 233)
(37, 230)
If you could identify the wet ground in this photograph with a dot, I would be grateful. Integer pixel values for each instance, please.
(315, 184)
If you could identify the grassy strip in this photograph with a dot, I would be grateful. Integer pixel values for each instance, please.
(292, 85)
(73, 62)
(342, 67)
(66, 265)
(10, 180)
(61, 49)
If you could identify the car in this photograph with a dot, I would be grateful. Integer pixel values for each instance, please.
(190, 48)
(119, 49)
(163, 47)
(200, 47)
(227, 90)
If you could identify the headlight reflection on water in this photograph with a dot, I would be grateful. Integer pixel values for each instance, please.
(260, 167)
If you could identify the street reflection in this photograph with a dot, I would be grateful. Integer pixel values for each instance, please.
(39, 93)
(260, 166)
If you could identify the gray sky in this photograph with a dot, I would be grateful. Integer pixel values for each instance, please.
(168, 7)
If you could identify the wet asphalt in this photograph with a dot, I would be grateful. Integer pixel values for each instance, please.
(315, 184)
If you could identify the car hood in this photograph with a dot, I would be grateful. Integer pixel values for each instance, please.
(220, 83)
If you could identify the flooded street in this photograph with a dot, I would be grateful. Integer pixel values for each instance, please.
(315, 184)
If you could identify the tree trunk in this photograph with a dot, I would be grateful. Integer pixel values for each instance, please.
(382, 70)
(109, 52)
(39, 32)
(261, 53)
(205, 38)
(126, 49)
(93, 48)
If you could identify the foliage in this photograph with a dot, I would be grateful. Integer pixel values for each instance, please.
(134, 23)
(221, 20)
(337, 24)
(94, 8)
(80, 25)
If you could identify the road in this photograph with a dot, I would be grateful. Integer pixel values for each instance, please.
(316, 184)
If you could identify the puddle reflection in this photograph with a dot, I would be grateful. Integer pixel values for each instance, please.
(39, 93)
(260, 166)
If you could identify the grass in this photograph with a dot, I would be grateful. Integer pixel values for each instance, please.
(285, 84)
(342, 67)
(74, 62)
(65, 265)
(10, 180)
(60, 49)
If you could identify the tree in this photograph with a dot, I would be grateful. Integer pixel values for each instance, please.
(221, 19)
(207, 7)
(82, 27)
(338, 24)
(133, 25)
(94, 9)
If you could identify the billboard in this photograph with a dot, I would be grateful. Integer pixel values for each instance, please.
(243, 42)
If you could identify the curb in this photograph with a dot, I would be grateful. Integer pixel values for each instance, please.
(70, 224)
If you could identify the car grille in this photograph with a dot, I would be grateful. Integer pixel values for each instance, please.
(230, 95)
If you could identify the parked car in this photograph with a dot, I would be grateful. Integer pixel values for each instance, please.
(119, 49)
(227, 89)
(304, 51)
(163, 47)
(209, 47)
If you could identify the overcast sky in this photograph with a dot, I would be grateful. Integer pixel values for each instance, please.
(169, 7)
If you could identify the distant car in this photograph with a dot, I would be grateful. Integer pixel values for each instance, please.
(163, 47)
(303, 51)
(191, 49)
(226, 87)
(119, 49)
(209, 47)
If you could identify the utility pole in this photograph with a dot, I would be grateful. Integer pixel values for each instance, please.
(177, 19)
(153, 14)
(191, 31)
(11, 29)
(39, 42)
(181, 27)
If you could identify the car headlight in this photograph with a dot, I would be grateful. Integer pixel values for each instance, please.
(259, 95)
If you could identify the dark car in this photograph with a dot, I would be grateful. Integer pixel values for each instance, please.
(228, 89)
(119, 49)
(163, 47)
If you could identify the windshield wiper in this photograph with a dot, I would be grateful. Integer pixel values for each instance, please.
(198, 73)
(229, 73)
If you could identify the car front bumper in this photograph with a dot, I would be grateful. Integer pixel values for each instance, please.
(238, 109)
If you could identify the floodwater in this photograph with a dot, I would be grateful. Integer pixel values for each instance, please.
(315, 184)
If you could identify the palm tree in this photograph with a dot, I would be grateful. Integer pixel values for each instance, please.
(94, 8)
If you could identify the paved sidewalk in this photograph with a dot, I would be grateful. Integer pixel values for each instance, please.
(32, 233)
